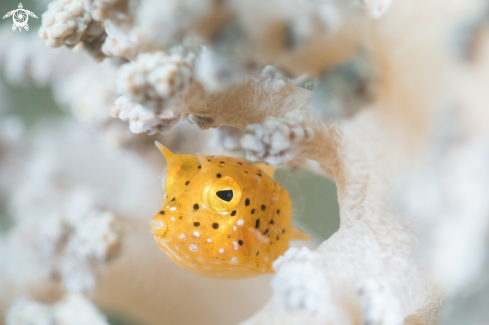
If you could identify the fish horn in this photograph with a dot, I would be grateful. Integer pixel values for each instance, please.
(170, 157)
(203, 160)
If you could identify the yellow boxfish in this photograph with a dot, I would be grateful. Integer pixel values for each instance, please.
(223, 217)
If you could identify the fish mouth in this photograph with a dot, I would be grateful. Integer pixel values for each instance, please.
(156, 226)
(158, 229)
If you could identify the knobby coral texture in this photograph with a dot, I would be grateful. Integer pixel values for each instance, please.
(387, 96)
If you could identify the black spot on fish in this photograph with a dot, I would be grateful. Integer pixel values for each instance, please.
(283, 231)
(257, 253)
(259, 174)
(187, 182)
(257, 223)
(278, 211)
(240, 163)
(252, 211)
(272, 222)
(240, 242)
(215, 225)
(173, 199)
(246, 172)
(263, 207)
(218, 175)
(208, 160)
(221, 162)
(196, 224)
(199, 167)
(266, 232)
(247, 202)
(196, 206)
(162, 212)
(233, 213)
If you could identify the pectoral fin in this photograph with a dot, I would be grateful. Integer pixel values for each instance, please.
(297, 234)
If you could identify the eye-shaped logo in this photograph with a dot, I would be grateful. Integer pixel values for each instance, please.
(221, 195)
(20, 17)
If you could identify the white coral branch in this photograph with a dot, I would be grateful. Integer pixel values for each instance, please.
(67, 23)
(74, 309)
(141, 119)
(379, 305)
(156, 80)
(225, 138)
(122, 43)
(278, 140)
(261, 94)
(166, 23)
(109, 9)
(300, 286)
(96, 238)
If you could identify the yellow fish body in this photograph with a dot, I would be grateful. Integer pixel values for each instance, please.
(223, 217)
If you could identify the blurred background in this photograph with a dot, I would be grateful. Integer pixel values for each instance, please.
(53, 150)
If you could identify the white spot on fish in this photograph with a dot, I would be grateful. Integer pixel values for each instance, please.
(223, 213)
(235, 244)
(182, 236)
(209, 240)
(172, 219)
(240, 222)
(196, 233)
(221, 250)
(193, 247)
(173, 209)
(275, 198)
(265, 258)
(234, 228)
(234, 260)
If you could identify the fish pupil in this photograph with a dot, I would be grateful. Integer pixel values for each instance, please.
(226, 195)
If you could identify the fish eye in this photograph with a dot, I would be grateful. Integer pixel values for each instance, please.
(226, 195)
(221, 194)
